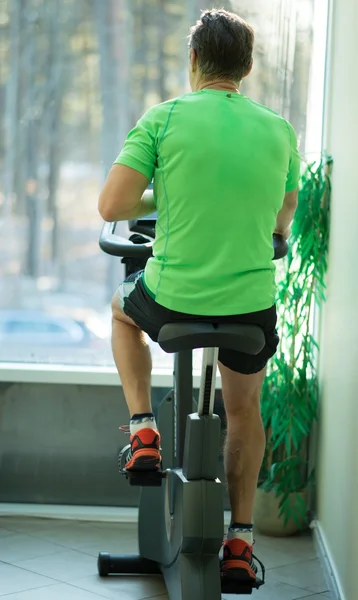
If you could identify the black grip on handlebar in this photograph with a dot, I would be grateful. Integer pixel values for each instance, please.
(280, 246)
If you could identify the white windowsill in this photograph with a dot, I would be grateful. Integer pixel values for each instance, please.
(111, 514)
(80, 375)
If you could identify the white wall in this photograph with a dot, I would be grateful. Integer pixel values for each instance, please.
(338, 451)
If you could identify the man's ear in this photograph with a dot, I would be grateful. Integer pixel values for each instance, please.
(193, 60)
(250, 68)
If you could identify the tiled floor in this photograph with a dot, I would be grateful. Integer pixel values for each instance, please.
(56, 560)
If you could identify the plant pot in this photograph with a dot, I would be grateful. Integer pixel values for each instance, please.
(267, 518)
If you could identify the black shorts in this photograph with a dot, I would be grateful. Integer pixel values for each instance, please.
(151, 316)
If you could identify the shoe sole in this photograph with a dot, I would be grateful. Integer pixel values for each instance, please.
(239, 573)
(145, 460)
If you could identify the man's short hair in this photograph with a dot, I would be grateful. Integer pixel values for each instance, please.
(224, 44)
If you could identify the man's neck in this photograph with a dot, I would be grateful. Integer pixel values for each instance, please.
(225, 86)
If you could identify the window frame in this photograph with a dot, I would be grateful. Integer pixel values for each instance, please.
(82, 375)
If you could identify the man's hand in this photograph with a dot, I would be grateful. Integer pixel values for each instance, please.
(285, 234)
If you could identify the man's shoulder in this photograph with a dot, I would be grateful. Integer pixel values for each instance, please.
(164, 108)
(266, 110)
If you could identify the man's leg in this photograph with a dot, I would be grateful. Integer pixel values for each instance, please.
(245, 442)
(133, 360)
(243, 455)
(131, 354)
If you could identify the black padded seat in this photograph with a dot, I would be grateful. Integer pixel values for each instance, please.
(175, 337)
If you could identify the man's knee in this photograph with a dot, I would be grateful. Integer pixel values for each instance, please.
(247, 409)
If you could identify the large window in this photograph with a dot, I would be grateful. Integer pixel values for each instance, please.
(74, 77)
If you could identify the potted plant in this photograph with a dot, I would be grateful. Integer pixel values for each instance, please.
(290, 392)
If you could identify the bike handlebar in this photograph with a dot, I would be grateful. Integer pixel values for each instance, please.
(119, 246)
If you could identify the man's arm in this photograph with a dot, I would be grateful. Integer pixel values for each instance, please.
(286, 214)
(123, 196)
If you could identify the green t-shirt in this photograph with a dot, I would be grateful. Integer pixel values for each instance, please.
(221, 165)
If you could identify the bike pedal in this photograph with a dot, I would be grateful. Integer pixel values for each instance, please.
(144, 478)
(233, 586)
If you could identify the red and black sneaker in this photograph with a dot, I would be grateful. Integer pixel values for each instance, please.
(143, 452)
(238, 561)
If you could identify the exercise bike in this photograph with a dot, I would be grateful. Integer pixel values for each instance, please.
(181, 513)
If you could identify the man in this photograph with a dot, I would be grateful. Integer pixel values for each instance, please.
(226, 173)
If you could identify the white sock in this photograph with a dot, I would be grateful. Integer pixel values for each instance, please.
(244, 533)
(145, 421)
